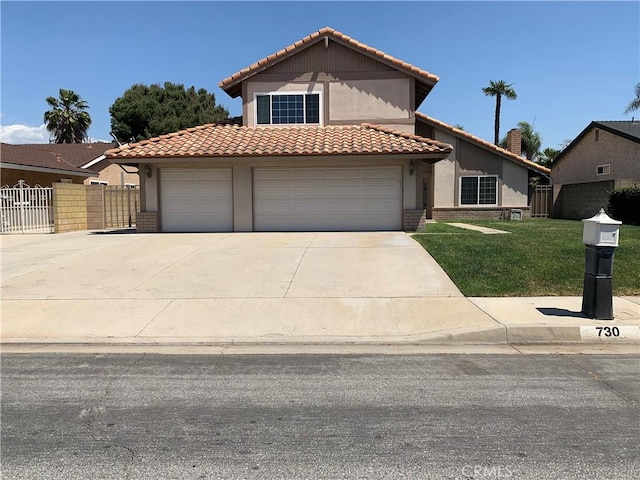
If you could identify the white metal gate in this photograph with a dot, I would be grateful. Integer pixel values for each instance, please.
(26, 209)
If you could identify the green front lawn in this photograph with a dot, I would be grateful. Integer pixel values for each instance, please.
(539, 257)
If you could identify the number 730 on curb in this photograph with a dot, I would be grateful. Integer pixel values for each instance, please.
(620, 332)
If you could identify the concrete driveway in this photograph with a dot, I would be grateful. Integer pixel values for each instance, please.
(226, 287)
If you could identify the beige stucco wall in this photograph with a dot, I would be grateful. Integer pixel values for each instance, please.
(473, 159)
(515, 185)
(385, 101)
(113, 174)
(444, 173)
(150, 190)
(579, 165)
(363, 100)
(467, 158)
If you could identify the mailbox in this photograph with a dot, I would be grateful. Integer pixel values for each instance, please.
(601, 230)
(600, 235)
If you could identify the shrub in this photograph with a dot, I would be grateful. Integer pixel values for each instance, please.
(624, 205)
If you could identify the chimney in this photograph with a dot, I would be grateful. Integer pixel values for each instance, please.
(514, 141)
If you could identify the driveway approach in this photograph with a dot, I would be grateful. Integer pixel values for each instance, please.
(227, 287)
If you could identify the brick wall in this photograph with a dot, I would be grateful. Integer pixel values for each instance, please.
(95, 207)
(69, 207)
(476, 213)
(414, 219)
(583, 200)
(147, 222)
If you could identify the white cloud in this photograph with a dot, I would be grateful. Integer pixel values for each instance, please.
(17, 134)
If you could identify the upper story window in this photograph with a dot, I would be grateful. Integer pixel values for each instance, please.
(603, 169)
(287, 109)
(479, 190)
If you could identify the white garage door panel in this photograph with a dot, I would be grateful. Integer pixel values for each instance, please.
(197, 200)
(349, 198)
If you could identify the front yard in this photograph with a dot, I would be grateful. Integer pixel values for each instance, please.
(539, 257)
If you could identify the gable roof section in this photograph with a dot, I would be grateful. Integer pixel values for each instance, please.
(220, 141)
(626, 129)
(483, 143)
(65, 158)
(425, 81)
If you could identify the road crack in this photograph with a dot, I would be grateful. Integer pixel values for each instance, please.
(599, 379)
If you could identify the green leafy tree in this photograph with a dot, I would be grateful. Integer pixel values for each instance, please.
(635, 103)
(499, 89)
(68, 120)
(148, 111)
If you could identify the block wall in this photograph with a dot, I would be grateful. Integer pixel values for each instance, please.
(147, 222)
(69, 207)
(414, 219)
(584, 200)
(95, 207)
(476, 213)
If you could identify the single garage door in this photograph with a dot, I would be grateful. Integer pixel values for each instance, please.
(196, 200)
(340, 198)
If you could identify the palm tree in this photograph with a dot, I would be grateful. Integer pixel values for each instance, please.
(531, 140)
(548, 156)
(498, 89)
(635, 103)
(67, 120)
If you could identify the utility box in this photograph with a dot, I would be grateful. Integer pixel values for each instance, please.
(515, 214)
(600, 235)
(601, 230)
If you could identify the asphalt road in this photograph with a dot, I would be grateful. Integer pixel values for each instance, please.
(330, 417)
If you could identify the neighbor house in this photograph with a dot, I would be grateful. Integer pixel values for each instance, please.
(49, 163)
(330, 140)
(36, 165)
(603, 157)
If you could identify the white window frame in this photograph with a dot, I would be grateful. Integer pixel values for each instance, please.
(130, 185)
(296, 92)
(98, 182)
(478, 204)
(606, 169)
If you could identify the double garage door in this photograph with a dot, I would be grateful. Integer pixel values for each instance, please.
(286, 199)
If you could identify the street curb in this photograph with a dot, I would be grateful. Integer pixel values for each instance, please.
(517, 335)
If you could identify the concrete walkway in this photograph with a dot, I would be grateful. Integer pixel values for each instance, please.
(485, 230)
(243, 289)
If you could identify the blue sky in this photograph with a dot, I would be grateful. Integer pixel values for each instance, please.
(570, 62)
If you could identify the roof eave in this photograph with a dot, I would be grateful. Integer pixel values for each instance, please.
(485, 146)
(234, 87)
(43, 169)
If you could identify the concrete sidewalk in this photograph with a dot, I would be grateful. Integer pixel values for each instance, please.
(278, 289)
(448, 321)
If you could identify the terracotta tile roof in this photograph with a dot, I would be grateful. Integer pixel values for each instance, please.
(238, 141)
(483, 143)
(227, 84)
(68, 157)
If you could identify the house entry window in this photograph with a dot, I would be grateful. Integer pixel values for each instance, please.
(479, 190)
(285, 109)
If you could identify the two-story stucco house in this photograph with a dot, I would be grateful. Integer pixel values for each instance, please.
(330, 140)
(603, 157)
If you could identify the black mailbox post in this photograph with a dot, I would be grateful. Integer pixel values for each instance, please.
(600, 235)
